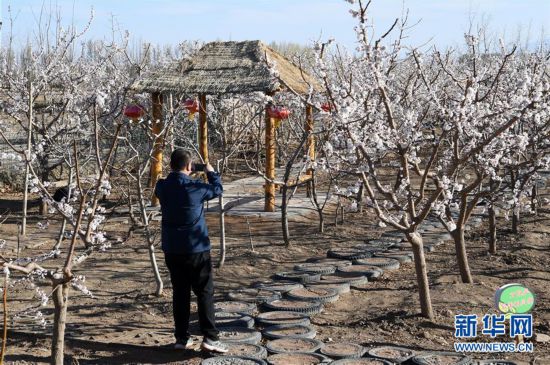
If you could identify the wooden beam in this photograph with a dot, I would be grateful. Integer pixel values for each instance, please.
(156, 157)
(203, 128)
(269, 205)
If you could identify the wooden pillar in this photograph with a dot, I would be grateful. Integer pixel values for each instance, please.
(269, 162)
(156, 157)
(203, 128)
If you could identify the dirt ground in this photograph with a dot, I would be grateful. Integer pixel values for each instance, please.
(125, 324)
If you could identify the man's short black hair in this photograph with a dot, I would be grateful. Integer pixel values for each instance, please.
(179, 159)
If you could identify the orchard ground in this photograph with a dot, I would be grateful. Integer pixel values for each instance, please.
(125, 324)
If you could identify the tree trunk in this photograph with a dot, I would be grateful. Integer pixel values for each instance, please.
(492, 230)
(61, 235)
(250, 235)
(5, 306)
(462, 257)
(515, 209)
(284, 215)
(156, 273)
(150, 241)
(336, 213)
(221, 261)
(61, 301)
(45, 175)
(421, 274)
(534, 199)
(360, 198)
(285, 196)
(64, 222)
(43, 210)
(515, 220)
(27, 162)
(313, 185)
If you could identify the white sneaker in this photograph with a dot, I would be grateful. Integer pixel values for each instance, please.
(214, 346)
(183, 344)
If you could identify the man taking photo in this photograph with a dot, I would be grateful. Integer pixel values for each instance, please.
(186, 246)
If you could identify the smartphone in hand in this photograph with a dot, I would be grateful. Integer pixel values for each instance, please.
(198, 167)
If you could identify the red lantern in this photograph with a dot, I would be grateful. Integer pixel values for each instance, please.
(134, 111)
(192, 106)
(278, 112)
(327, 107)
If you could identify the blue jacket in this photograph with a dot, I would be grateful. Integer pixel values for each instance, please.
(181, 198)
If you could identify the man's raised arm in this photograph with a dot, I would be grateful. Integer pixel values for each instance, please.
(214, 187)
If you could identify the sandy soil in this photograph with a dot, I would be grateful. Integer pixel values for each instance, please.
(125, 324)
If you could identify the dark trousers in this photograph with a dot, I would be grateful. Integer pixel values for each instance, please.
(192, 272)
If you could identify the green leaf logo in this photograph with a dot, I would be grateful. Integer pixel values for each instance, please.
(514, 298)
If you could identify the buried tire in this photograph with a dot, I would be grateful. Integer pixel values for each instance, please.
(361, 361)
(448, 358)
(240, 335)
(227, 319)
(253, 295)
(307, 307)
(296, 358)
(402, 256)
(332, 262)
(316, 268)
(371, 272)
(321, 295)
(348, 253)
(233, 360)
(299, 277)
(280, 287)
(282, 318)
(293, 344)
(392, 353)
(245, 349)
(341, 288)
(281, 331)
(235, 307)
(343, 350)
(380, 244)
(351, 280)
(406, 246)
(385, 263)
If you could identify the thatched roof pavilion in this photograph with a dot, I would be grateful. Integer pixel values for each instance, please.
(223, 68)
(229, 67)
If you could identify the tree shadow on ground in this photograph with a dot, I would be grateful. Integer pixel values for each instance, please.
(401, 314)
(105, 353)
(16, 206)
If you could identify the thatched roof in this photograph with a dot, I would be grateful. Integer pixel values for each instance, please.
(229, 67)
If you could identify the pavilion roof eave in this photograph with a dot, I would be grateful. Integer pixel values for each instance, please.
(229, 68)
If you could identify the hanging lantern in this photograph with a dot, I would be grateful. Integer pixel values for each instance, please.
(278, 113)
(134, 111)
(192, 106)
(326, 107)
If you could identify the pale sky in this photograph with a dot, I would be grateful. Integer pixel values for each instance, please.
(301, 21)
